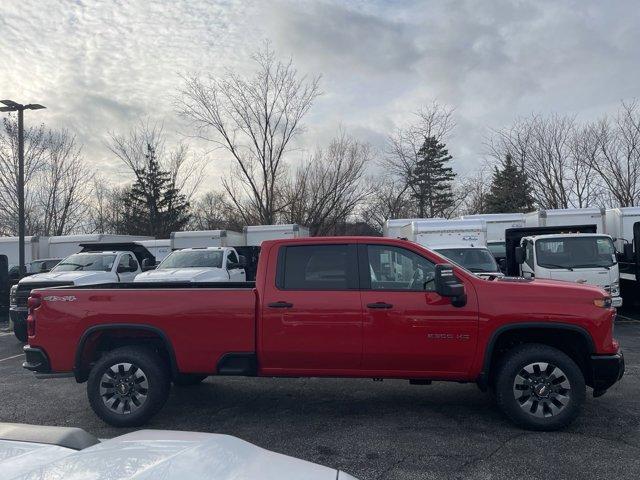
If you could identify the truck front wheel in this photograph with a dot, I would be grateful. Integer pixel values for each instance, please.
(539, 387)
(127, 386)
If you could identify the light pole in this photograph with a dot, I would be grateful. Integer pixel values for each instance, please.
(11, 106)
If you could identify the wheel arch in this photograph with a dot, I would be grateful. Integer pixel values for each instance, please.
(551, 334)
(119, 334)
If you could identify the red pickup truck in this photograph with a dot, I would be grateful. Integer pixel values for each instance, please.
(333, 307)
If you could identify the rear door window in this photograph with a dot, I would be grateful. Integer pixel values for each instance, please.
(318, 267)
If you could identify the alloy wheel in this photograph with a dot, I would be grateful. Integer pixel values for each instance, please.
(124, 388)
(542, 389)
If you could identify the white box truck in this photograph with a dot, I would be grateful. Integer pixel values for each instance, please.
(206, 238)
(9, 247)
(256, 234)
(567, 217)
(623, 224)
(393, 227)
(462, 241)
(497, 224)
(619, 224)
(65, 245)
(159, 248)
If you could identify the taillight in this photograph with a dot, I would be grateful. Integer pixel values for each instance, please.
(32, 303)
(31, 325)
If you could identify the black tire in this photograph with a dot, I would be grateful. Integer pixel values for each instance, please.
(142, 389)
(536, 397)
(188, 379)
(20, 331)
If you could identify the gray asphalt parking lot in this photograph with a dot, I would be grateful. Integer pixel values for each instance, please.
(381, 430)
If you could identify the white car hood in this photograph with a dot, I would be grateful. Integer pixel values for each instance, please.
(162, 455)
(200, 274)
(77, 278)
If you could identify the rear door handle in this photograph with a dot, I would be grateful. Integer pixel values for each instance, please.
(379, 305)
(280, 305)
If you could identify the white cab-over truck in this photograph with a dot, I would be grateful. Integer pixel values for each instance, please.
(461, 241)
(208, 264)
(588, 258)
(95, 264)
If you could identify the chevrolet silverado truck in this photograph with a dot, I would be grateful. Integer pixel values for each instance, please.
(333, 307)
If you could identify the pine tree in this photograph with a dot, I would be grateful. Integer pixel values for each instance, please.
(430, 180)
(153, 205)
(510, 189)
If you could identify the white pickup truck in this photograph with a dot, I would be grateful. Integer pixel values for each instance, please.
(95, 264)
(206, 264)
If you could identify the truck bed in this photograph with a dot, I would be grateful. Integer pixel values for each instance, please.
(203, 321)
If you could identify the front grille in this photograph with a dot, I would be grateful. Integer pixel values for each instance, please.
(24, 290)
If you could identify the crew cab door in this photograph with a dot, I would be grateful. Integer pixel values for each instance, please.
(312, 314)
(407, 326)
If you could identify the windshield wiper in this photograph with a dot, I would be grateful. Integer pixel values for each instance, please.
(553, 265)
(592, 265)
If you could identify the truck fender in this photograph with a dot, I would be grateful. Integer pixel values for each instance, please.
(483, 377)
(81, 376)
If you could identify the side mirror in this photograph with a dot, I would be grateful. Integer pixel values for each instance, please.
(122, 269)
(146, 265)
(520, 255)
(627, 252)
(502, 263)
(242, 261)
(447, 285)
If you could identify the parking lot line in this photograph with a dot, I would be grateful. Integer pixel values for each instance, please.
(9, 358)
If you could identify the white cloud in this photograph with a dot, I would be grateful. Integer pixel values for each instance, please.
(100, 65)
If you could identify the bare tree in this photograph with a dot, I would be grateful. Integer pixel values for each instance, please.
(432, 121)
(62, 187)
(389, 198)
(214, 211)
(549, 150)
(618, 157)
(106, 209)
(472, 192)
(34, 157)
(327, 189)
(254, 120)
(132, 150)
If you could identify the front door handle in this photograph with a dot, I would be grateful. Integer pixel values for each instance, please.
(280, 305)
(379, 305)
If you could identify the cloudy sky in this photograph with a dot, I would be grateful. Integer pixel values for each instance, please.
(99, 66)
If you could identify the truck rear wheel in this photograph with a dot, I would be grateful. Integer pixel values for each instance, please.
(128, 386)
(539, 387)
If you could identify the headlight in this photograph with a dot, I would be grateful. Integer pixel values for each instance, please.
(615, 289)
(12, 295)
(604, 302)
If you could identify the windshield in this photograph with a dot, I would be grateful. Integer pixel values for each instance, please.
(86, 262)
(498, 249)
(575, 252)
(473, 259)
(197, 258)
